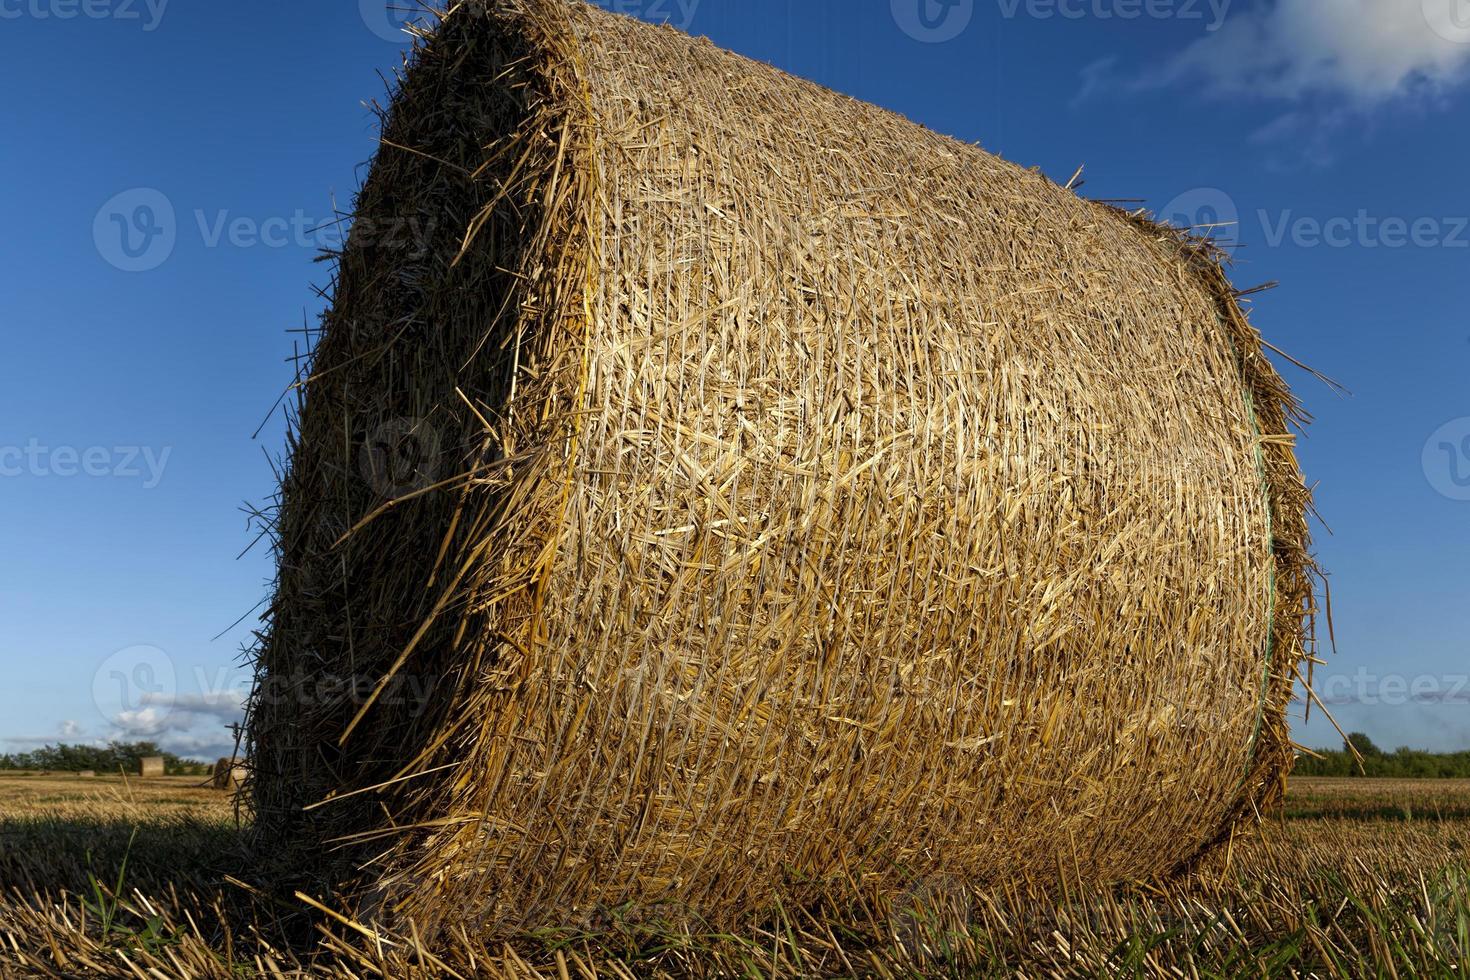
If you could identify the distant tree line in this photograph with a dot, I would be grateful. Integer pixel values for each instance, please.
(1404, 763)
(109, 758)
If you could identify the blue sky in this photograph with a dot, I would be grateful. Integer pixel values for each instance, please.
(223, 137)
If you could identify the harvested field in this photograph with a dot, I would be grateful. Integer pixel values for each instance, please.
(1338, 887)
(1380, 799)
(62, 796)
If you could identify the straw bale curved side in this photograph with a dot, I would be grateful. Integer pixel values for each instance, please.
(711, 490)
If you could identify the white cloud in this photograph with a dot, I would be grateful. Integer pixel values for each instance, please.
(186, 724)
(228, 705)
(199, 745)
(190, 725)
(1367, 52)
(142, 722)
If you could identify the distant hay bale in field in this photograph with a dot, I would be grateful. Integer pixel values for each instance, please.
(150, 766)
(711, 490)
(228, 774)
(87, 774)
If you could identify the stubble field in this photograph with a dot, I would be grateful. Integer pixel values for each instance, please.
(114, 877)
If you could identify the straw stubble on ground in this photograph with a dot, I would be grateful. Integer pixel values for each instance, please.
(1356, 878)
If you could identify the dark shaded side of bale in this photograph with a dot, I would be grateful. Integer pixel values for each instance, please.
(710, 490)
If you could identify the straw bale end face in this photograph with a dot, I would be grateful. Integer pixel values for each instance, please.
(690, 511)
(228, 774)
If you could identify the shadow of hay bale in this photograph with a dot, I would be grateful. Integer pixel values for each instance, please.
(50, 854)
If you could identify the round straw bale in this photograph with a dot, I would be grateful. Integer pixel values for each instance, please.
(228, 774)
(710, 490)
